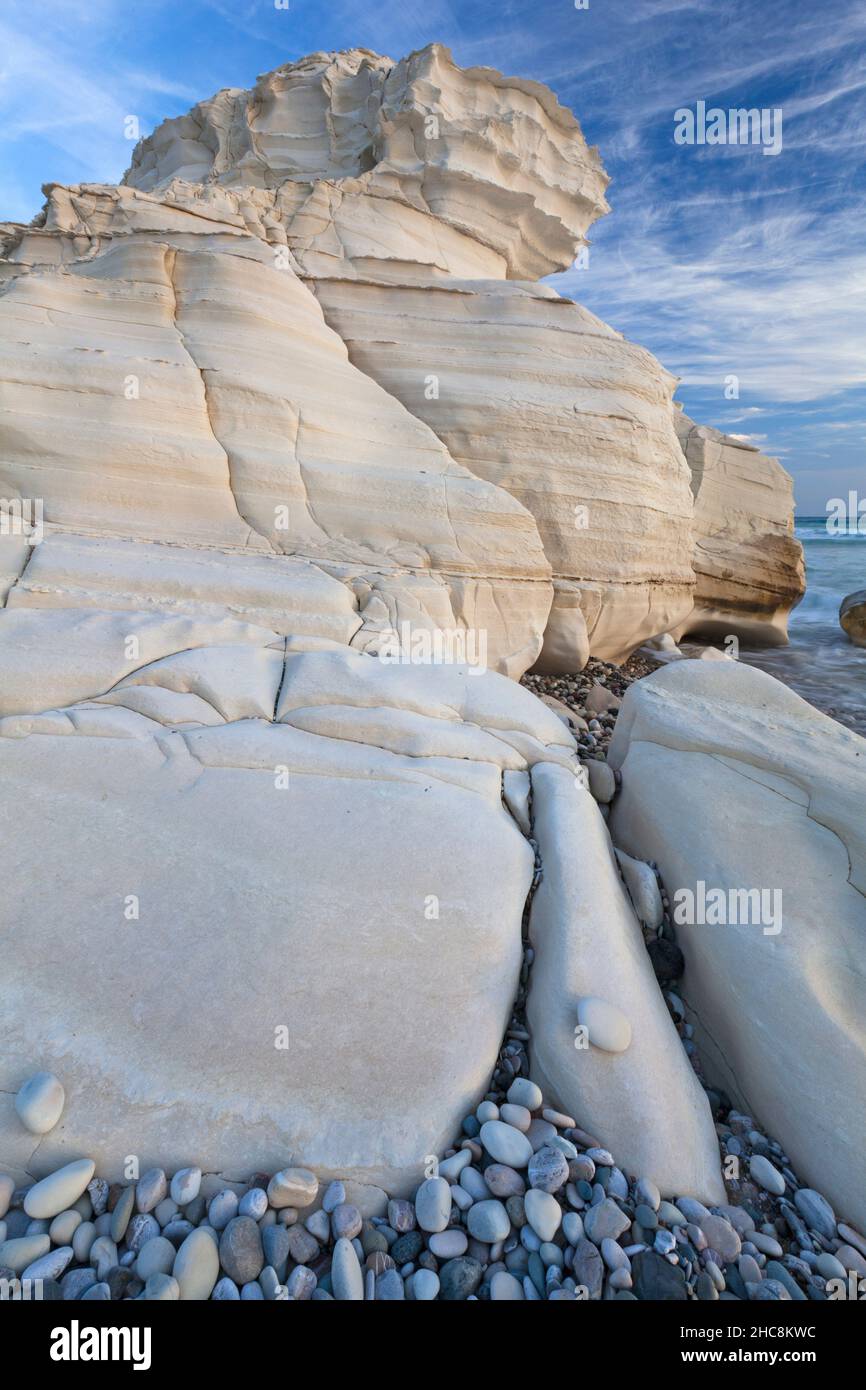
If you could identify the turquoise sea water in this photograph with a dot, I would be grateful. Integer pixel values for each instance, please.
(820, 663)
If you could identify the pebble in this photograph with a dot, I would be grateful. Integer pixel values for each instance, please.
(76, 1281)
(643, 889)
(769, 1290)
(458, 1279)
(602, 782)
(103, 1256)
(142, 1228)
(670, 1215)
(293, 1187)
(524, 1092)
(777, 1273)
(606, 1025)
(301, 1283)
(852, 1259)
(335, 1195)
(605, 1219)
(120, 1217)
(765, 1175)
(346, 1220)
(721, 1236)
(64, 1226)
(447, 1245)
(196, 1266)
(401, 1214)
(161, 1288)
(488, 1221)
(556, 1118)
(613, 1255)
(516, 1115)
(504, 1181)
(97, 1293)
(7, 1188)
(588, 1267)
(50, 1265)
(223, 1207)
(451, 1168)
(389, 1287)
(240, 1250)
(814, 1209)
(505, 1144)
(157, 1256)
(846, 1233)
(425, 1285)
(654, 1278)
(347, 1279)
(150, 1189)
(185, 1186)
(749, 1269)
(600, 1157)
(543, 1213)
(433, 1203)
(226, 1291)
(582, 1169)
(303, 1248)
(319, 1226)
(55, 1193)
(572, 1227)
(830, 1267)
(97, 1191)
(548, 1169)
(253, 1203)
(505, 1288)
(767, 1245)
(166, 1211)
(40, 1101)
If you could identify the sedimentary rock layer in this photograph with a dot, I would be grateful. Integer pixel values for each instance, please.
(190, 397)
(749, 567)
(537, 395)
(369, 163)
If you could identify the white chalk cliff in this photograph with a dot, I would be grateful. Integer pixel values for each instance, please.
(289, 389)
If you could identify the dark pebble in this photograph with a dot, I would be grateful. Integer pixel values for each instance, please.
(459, 1278)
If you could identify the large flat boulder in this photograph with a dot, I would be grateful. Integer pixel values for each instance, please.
(237, 937)
(731, 782)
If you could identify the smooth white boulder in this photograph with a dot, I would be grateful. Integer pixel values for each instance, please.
(763, 802)
(645, 1103)
(314, 1061)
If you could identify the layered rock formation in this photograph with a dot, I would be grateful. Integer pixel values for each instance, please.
(286, 399)
(537, 395)
(749, 567)
(762, 848)
(387, 181)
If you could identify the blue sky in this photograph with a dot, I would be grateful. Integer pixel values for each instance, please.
(719, 259)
